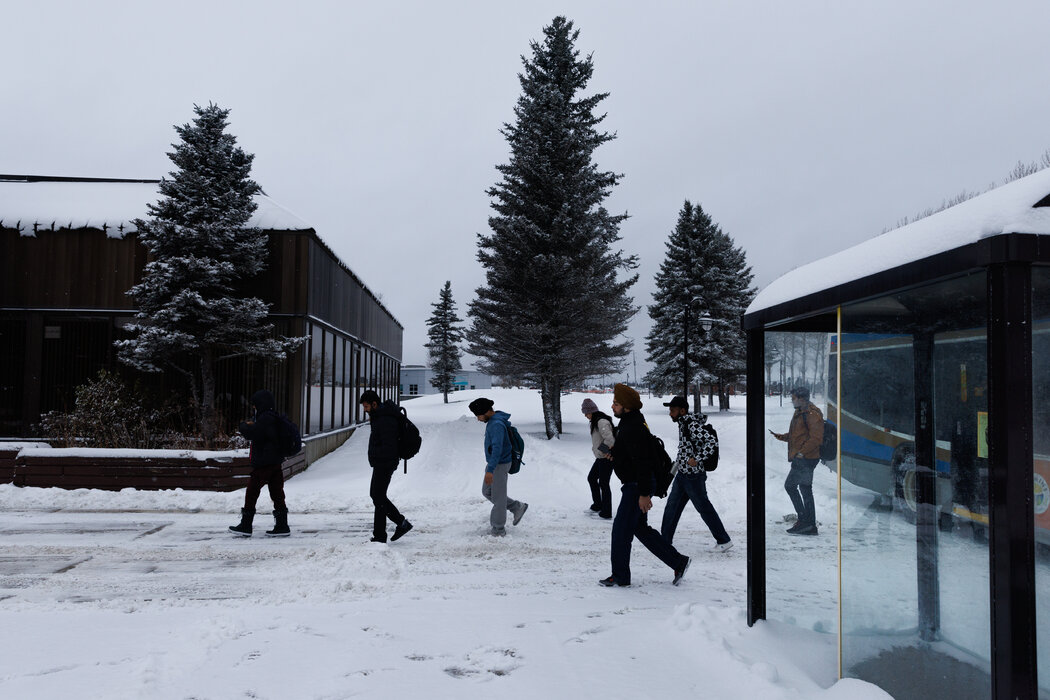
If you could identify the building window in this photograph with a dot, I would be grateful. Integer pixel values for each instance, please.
(413, 389)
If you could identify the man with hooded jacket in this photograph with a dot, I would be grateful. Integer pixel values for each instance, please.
(266, 462)
(497, 466)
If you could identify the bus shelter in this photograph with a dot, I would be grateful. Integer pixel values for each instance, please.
(928, 351)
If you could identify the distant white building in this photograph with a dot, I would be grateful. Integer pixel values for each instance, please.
(415, 381)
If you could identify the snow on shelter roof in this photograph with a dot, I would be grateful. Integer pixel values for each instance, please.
(107, 205)
(1021, 206)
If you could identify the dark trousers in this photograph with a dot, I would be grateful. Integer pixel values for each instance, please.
(631, 522)
(686, 488)
(272, 477)
(799, 487)
(598, 478)
(384, 508)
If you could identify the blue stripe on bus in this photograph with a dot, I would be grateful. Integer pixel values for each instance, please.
(854, 445)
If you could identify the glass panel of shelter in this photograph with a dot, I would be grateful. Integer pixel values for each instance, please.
(801, 570)
(1041, 468)
(914, 491)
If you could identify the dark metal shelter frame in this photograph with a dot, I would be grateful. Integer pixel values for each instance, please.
(1008, 261)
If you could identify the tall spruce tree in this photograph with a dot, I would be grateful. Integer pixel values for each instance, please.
(190, 318)
(702, 272)
(554, 303)
(445, 336)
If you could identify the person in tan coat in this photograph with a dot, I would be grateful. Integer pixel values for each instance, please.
(602, 441)
(804, 435)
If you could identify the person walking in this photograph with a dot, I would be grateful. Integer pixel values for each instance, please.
(804, 435)
(266, 462)
(497, 466)
(633, 464)
(383, 458)
(695, 445)
(602, 441)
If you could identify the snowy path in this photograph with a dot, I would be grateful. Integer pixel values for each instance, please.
(134, 595)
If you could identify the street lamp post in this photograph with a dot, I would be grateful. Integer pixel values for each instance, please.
(705, 325)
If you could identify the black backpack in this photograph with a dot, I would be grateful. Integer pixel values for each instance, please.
(289, 440)
(829, 445)
(662, 466)
(408, 438)
(517, 448)
(710, 462)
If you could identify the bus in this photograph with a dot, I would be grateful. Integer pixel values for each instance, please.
(877, 423)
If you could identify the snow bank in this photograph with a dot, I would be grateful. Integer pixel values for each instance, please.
(143, 594)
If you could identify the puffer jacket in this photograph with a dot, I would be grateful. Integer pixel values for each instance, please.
(602, 439)
(262, 432)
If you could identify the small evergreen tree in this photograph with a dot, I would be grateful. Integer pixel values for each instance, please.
(445, 336)
(201, 247)
(553, 304)
(702, 273)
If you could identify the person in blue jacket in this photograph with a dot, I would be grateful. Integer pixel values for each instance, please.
(497, 466)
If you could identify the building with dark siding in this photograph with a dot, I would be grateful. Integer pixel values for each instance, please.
(69, 253)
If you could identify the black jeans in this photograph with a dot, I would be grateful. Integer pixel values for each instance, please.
(598, 478)
(384, 508)
(686, 488)
(631, 522)
(799, 487)
(272, 477)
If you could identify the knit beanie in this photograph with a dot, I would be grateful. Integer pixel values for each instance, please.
(589, 407)
(480, 406)
(627, 397)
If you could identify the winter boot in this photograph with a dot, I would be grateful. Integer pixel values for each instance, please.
(401, 529)
(244, 528)
(280, 528)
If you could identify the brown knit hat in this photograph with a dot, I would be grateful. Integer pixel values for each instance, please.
(627, 397)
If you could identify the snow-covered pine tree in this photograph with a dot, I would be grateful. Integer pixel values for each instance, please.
(702, 272)
(445, 335)
(554, 304)
(201, 247)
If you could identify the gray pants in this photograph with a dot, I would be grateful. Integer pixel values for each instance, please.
(496, 492)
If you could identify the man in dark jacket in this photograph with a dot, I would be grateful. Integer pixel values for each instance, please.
(266, 461)
(383, 457)
(633, 464)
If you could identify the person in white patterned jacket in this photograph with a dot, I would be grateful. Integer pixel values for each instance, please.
(695, 445)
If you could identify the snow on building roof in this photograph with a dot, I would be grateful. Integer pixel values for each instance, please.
(1021, 206)
(107, 205)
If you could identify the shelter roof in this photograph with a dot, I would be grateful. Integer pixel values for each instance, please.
(1021, 206)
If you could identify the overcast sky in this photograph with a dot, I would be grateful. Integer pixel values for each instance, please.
(801, 127)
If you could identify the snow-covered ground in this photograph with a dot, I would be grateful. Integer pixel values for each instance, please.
(144, 595)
